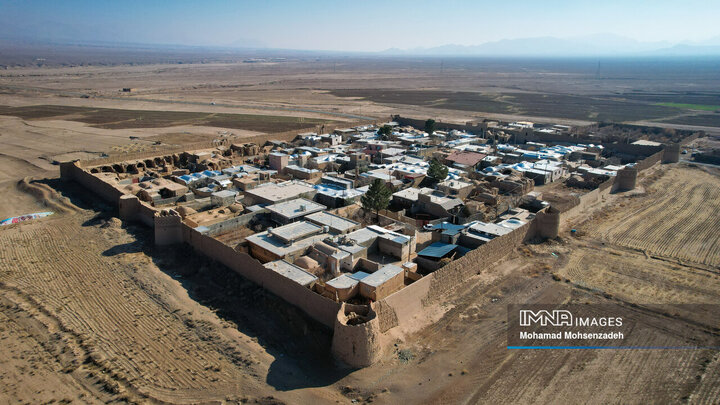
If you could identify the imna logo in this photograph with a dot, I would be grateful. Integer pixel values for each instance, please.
(558, 317)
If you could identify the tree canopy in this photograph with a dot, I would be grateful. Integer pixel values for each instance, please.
(385, 131)
(437, 171)
(377, 197)
(430, 126)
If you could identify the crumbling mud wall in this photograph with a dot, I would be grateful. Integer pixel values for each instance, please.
(455, 273)
(404, 307)
(73, 171)
(232, 223)
(168, 228)
(323, 310)
(626, 179)
(547, 223)
(357, 336)
(650, 161)
(671, 154)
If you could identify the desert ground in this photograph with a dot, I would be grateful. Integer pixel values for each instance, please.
(92, 312)
(97, 314)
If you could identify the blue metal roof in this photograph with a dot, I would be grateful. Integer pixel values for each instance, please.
(448, 226)
(437, 249)
(461, 251)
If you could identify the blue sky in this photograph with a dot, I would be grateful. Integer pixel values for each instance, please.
(354, 25)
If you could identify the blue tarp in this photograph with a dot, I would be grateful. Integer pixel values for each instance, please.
(437, 249)
(448, 226)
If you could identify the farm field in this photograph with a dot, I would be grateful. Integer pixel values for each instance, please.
(113, 324)
(701, 107)
(92, 312)
(708, 120)
(574, 91)
(109, 118)
(681, 223)
(521, 103)
(163, 324)
(652, 246)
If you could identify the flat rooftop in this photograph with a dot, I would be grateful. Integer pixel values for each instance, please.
(490, 229)
(454, 184)
(338, 191)
(296, 208)
(280, 191)
(332, 221)
(363, 235)
(291, 271)
(295, 231)
(646, 143)
(412, 193)
(343, 281)
(280, 247)
(437, 249)
(381, 276)
(224, 194)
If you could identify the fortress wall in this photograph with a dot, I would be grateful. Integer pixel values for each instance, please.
(72, 171)
(357, 345)
(420, 124)
(387, 317)
(547, 223)
(585, 202)
(232, 223)
(595, 196)
(649, 161)
(630, 149)
(401, 307)
(458, 271)
(168, 230)
(146, 214)
(321, 309)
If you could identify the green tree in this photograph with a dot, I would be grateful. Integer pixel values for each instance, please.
(377, 197)
(385, 131)
(437, 171)
(430, 126)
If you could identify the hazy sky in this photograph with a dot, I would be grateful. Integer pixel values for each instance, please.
(359, 25)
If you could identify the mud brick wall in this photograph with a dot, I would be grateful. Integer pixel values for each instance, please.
(321, 309)
(458, 271)
(232, 223)
(146, 214)
(403, 306)
(72, 171)
(649, 161)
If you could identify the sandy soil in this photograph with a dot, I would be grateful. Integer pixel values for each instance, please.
(301, 87)
(111, 318)
(91, 311)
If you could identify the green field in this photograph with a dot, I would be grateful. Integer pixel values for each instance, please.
(702, 107)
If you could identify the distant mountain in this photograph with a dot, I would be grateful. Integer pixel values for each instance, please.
(591, 45)
(689, 50)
